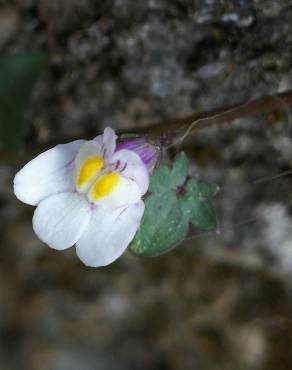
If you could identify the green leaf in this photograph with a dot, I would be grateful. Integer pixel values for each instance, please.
(164, 225)
(192, 190)
(207, 190)
(193, 203)
(163, 178)
(179, 170)
(18, 74)
(159, 181)
(203, 216)
(173, 204)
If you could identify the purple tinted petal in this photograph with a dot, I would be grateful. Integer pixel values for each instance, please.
(147, 150)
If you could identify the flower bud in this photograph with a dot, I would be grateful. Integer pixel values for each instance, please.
(147, 150)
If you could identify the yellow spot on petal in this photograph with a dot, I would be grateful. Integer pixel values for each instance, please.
(104, 186)
(89, 170)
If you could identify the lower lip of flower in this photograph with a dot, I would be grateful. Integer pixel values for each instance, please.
(104, 186)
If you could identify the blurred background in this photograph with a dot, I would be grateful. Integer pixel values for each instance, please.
(219, 302)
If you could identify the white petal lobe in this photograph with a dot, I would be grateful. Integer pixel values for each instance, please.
(108, 142)
(109, 234)
(61, 219)
(131, 166)
(49, 173)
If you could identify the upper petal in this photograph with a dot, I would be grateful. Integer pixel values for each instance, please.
(49, 173)
(109, 234)
(147, 149)
(130, 165)
(61, 219)
(107, 141)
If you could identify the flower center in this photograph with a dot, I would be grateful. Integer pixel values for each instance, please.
(89, 170)
(104, 186)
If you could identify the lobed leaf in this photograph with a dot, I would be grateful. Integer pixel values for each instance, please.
(159, 181)
(164, 225)
(173, 204)
(179, 171)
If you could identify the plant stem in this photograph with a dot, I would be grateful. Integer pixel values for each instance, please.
(169, 129)
(221, 116)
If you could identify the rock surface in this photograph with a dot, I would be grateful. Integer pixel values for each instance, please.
(219, 302)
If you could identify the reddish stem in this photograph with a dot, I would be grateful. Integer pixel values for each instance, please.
(221, 116)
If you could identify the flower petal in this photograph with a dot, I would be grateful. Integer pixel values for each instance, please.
(91, 150)
(107, 141)
(49, 173)
(109, 234)
(130, 165)
(115, 193)
(148, 150)
(61, 219)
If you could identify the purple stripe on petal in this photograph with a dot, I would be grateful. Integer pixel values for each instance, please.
(124, 167)
(117, 165)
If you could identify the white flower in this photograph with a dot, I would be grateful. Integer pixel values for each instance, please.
(87, 194)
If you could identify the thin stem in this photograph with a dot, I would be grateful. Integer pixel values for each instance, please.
(221, 116)
(170, 128)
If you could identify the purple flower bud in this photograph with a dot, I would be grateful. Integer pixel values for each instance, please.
(147, 150)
